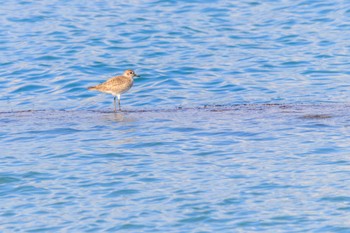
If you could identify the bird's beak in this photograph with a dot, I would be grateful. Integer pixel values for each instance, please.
(136, 75)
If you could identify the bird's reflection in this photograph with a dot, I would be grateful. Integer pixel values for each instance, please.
(120, 117)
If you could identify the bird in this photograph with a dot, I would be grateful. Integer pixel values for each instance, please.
(116, 86)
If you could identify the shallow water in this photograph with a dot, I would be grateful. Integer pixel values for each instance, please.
(239, 123)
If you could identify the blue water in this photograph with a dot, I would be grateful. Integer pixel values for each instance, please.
(239, 123)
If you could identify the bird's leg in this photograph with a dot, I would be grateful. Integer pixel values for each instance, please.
(115, 104)
(119, 103)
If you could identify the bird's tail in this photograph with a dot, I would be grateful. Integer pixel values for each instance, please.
(92, 88)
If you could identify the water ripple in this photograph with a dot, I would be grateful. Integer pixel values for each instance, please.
(213, 137)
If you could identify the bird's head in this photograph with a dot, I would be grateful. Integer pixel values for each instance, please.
(130, 74)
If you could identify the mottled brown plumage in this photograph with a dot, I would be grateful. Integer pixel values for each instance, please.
(117, 86)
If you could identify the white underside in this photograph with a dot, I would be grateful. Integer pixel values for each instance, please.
(118, 94)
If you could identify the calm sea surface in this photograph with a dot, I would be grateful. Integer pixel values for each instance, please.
(239, 123)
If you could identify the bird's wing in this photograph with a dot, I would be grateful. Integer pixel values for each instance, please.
(114, 81)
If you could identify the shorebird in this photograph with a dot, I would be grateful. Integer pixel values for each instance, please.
(116, 86)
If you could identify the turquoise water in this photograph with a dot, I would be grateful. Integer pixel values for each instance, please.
(239, 122)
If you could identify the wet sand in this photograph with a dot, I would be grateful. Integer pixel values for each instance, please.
(241, 111)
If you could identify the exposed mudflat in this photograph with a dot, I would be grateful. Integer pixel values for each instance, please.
(240, 111)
